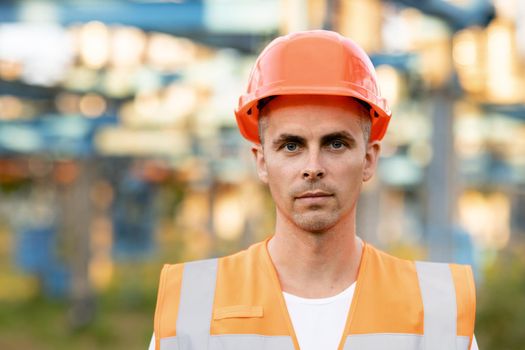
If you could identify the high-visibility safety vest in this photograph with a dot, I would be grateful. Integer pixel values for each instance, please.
(236, 303)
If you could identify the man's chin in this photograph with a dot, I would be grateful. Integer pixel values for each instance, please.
(315, 222)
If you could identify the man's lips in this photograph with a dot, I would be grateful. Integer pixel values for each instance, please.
(315, 194)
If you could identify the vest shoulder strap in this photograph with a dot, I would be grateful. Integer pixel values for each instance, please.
(185, 304)
(449, 301)
(439, 305)
(196, 302)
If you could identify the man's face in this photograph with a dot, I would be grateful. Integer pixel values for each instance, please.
(315, 159)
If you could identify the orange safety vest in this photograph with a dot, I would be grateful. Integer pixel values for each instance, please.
(236, 302)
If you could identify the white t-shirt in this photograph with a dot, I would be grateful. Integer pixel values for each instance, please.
(319, 323)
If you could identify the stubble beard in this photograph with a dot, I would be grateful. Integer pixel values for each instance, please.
(316, 224)
(316, 219)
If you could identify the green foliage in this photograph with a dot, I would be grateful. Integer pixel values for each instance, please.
(123, 317)
(43, 325)
(500, 323)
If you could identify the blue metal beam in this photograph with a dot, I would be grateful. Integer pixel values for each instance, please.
(479, 13)
(177, 18)
(184, 18)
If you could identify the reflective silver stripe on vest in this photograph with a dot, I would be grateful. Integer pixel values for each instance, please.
(439, 303)
(384, 341)
(462, 343)
(250, 342)
(171, 343)
(394, 342)
(196, 303)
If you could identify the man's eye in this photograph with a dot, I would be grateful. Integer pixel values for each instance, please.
(291, 147)
(337, 144)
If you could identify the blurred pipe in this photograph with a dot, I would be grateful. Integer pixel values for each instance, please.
(332, 9)
(441, 175)
(75, 225)
(368, 210)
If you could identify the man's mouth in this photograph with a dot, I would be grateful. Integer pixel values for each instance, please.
(314, 196)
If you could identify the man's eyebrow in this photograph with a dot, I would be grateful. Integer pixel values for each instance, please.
(339, 135)
(283, 138)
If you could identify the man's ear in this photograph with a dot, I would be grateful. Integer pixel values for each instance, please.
(260, 162)
(372, 156)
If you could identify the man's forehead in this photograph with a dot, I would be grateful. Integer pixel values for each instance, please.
(277, 127)
(321, 118)
(306, 115)
(313, 102)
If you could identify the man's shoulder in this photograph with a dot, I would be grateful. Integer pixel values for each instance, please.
(394, 269)
(254, 251)
(378, 254)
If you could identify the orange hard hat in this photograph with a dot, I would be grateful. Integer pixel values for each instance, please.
(316, 62)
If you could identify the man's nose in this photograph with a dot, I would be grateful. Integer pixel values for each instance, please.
(313, 170)
(313, 174)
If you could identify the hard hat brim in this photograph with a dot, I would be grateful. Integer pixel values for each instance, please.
(247, 116)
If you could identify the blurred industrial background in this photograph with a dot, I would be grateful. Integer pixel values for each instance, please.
(119, 151)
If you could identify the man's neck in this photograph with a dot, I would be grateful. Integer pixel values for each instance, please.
(316, 265)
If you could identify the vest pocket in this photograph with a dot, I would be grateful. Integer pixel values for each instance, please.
(237, 311)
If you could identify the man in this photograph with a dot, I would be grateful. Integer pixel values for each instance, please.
(315, 115)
